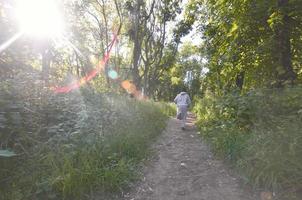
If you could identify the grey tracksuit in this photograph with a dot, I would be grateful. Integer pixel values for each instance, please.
(182, 101)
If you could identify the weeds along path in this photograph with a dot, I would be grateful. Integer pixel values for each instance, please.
(184, 169)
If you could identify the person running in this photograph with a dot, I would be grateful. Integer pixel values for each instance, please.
(182, 101)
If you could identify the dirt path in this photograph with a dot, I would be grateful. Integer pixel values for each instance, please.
(185, 169)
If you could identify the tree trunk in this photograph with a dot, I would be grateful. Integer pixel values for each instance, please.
(137, 43)
(285, 72)
(240, 80)
(106, 67)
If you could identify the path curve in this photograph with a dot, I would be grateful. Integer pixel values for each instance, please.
(184, 169)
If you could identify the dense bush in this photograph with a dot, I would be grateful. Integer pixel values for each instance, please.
(68, 145)
(260, 132)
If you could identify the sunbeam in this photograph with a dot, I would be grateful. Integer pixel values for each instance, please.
(6, 44)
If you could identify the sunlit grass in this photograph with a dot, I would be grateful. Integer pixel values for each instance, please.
(260, 133)
(97, 147)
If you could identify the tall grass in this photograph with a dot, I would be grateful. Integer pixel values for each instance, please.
(260, 133)
(87, 142)
(168, 109)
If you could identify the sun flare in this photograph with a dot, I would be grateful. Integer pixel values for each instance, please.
(40, 18)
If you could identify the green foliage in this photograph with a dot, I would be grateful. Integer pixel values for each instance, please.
(259, 132)
(248, 44)
(169, 109)
(183, 73)
(109, 163)
(224, 122)
(71, 145)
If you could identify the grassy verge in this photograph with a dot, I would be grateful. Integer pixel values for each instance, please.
(168, 109)
(260, 133)
(79, 143)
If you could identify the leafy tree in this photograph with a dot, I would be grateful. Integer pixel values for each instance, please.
(248, 43)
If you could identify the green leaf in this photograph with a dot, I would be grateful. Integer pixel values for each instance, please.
(233, 29)
(7, 153)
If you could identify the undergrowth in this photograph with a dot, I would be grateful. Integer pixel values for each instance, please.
(69, 145)
(167, 108)
(260, 133)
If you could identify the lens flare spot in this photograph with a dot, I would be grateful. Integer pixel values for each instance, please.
(82, 81)
(113, 74)
(130, 87)
(125, 84)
